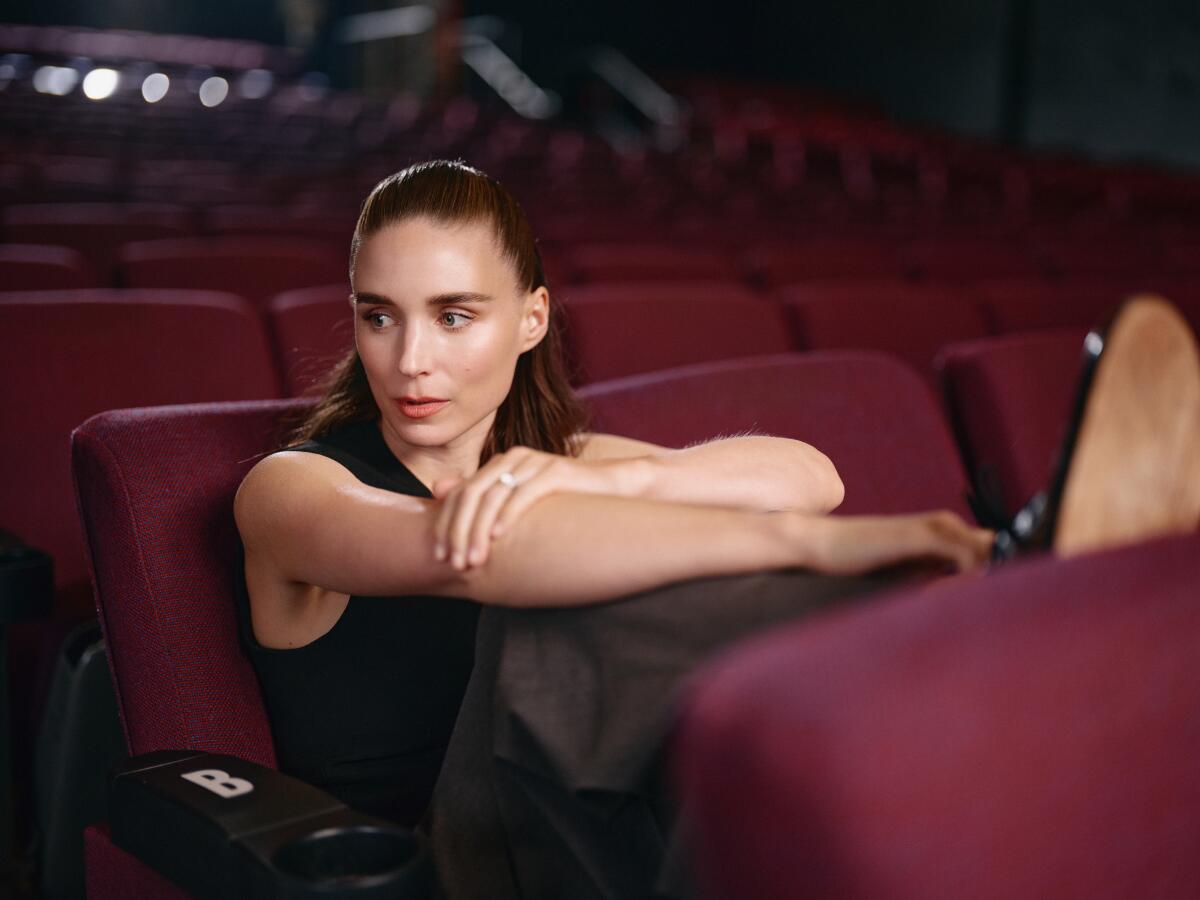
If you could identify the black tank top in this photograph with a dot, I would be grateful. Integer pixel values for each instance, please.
(365, 711)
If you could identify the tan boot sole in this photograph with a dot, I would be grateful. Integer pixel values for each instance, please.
(1135, 471)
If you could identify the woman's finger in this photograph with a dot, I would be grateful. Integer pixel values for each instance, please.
(497, 498)
(523, 497)
(459, 532)
(532, 485)
(478, 540)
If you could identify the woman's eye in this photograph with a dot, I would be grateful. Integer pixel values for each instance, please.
(454, 319)
(376, 318)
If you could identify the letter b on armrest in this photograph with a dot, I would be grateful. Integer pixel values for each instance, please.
(220, 783)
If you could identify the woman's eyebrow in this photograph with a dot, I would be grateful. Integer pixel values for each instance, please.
(458, 297)
(435, 300)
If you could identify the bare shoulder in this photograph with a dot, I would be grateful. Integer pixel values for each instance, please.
(281, 484)
(305, 519)
(595, 445)
(278, 496)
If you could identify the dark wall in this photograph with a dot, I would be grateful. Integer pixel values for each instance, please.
(1117, 78)
(935, 59)
(939, 60)
(255, 20)
(1109, 77)
(1114, 78)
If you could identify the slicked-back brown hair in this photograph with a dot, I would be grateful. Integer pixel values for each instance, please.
(540, 411)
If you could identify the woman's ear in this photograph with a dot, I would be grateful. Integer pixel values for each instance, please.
(535, 318)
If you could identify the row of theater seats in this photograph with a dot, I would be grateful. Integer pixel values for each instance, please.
(617, 329)
(126, 242)
(256, 267)
(623, 328)
(788, 151)
(828, 254)
(822, 293)
(97, 350)
(953, 715)
(141, 244)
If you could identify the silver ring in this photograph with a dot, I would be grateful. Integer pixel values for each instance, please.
(508, 479)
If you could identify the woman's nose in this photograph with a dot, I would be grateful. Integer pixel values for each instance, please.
(414, 352)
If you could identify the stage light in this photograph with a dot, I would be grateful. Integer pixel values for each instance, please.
(256, 84)
(100, 84)
(214, 91)
(57, 80)
(155, 87)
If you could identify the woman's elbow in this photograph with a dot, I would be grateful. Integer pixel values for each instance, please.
(826, 489)
(837, 490)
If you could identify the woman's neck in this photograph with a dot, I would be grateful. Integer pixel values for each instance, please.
(457, 459)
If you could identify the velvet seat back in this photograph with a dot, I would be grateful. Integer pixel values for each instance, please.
(155, 490)
(1032, 733)
(872, 415)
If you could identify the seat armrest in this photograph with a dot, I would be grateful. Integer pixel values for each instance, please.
(219, 826)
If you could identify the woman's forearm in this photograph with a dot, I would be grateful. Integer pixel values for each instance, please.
(753, 472)
(572, 549)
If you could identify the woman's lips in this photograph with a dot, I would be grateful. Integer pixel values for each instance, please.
(420, 409)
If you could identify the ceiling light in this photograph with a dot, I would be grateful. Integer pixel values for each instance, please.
(100, 84)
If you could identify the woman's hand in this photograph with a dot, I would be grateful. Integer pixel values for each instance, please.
(477, 509)
(853, 545)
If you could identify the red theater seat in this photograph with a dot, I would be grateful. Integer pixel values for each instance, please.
(156, 493)
(854, 256)
(969, 259)
(1017, 305)
(1031, 733)
(1181, 253)
(256, 268)
(41, 267)
(699, 291)
(911, 322)
(1101, 255)
(71, 354)
(96, 230)
(1009, 398)
(872, 415)
(273, 221)
(312, 329)
(630, 262)
(608, 338)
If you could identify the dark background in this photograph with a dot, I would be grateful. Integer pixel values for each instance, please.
(1111, 78)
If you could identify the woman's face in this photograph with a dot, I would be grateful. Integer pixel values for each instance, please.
(439, 324)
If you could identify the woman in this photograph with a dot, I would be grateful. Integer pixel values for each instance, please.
(447, 463)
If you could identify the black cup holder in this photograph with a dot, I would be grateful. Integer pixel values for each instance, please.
(348, 856)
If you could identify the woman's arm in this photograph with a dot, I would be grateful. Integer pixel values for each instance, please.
(757, 473)
(319, 525)
(749, 472)
(315, 524)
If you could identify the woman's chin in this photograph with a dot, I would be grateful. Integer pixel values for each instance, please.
(423, 434)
